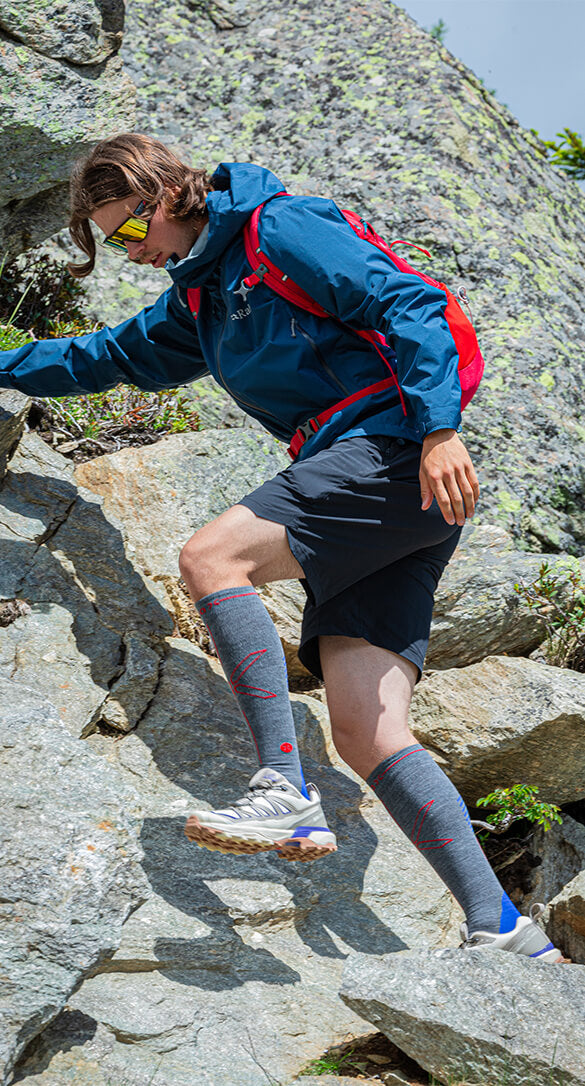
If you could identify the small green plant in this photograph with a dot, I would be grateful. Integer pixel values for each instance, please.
(515, 803)
(11, 337)
(568, 153)
(109, 416)
(329, 1064)
(558, 596)
(438, 31)
(41, 299)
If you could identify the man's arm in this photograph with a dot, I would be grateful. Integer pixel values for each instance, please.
(156, 349)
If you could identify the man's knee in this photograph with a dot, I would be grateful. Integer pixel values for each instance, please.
(207, 556)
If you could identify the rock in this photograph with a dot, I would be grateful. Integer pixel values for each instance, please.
(182, 482)
(477, 611)
(505, 721)
(565, 919)
(81, 32)
(64, 89)
(478, 1017)
(132, 693)
(561, 851)
(13, 412)
(69, 867)
(89, 629)
(216, 409)
(269, 937)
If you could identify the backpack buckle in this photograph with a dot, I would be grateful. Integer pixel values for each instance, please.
(251, 281)
(307, 430)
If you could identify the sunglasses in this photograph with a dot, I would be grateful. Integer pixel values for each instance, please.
(132, 229)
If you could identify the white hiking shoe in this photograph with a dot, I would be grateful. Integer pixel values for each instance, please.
(273, 816)
(526, 938)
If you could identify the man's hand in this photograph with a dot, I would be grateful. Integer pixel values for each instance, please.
(446, 473)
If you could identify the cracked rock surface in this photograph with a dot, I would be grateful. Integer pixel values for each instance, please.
(93, 623)
(235, 964)
(64, 88)
(478, 1017)
(70, 871)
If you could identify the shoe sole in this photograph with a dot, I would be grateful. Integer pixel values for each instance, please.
(299, 849)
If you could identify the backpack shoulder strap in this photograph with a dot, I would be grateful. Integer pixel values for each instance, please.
(266, 271)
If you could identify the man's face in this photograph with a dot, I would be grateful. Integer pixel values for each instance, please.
(165, 238)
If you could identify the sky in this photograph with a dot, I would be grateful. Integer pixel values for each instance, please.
(531, 52)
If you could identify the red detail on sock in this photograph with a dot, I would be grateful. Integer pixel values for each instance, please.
(286, 747)
(433, 842)
(239, 671)
(241, 710)
(392, 764)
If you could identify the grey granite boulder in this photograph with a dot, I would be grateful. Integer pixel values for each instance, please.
(64, 88)
(87, 628)
(181, 482)
(69, 864)
(13, 412)
(477, 610)
(561, 852)
(79, 31)
(482, 1018)
(234, 964)
(565, 918)
(505, 721)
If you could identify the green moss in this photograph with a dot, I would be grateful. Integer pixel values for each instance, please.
(546, 378)
(508, 504)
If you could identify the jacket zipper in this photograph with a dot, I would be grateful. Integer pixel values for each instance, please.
(294, 325)
(239, 399)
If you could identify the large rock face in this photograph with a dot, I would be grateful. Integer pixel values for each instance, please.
(70, 870)
(63, 89)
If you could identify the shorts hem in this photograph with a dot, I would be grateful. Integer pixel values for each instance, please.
(309, 656)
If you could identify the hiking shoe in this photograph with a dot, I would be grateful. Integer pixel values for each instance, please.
(272, 816)
(526, 938)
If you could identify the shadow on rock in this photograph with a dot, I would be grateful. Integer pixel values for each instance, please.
(70, 1029)
(60, 554)
(199, 744)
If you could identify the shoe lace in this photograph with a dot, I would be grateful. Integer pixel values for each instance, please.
(262, 786)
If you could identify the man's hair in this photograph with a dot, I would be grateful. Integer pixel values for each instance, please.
(131, 165)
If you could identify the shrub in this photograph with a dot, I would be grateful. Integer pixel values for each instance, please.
(515, 803)
(558, 595)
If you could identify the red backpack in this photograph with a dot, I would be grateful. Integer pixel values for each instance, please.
(470, 363)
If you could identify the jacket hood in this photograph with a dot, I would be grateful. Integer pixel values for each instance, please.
(238, 189)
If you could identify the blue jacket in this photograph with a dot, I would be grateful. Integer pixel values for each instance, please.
(280, 363)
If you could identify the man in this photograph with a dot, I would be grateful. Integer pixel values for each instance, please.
(367, 516)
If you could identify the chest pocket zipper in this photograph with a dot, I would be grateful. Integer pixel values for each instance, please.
(296, 327)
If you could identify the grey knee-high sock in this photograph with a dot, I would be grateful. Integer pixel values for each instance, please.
(252, 657)
(427, 807)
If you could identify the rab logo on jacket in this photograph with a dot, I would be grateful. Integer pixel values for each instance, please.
(241, 313)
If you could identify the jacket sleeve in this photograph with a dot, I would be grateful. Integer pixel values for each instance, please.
(309, 239)
(157, 349)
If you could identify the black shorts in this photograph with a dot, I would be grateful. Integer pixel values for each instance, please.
(372, 558)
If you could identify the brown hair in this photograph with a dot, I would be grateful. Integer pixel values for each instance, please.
(131, 165)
